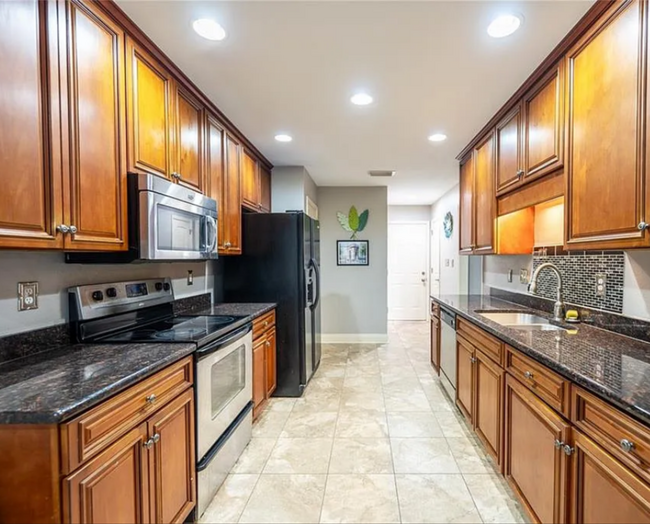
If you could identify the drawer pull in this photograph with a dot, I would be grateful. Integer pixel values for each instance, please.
(627, 445)
(529, 375)
(148, 443)
(268, 344)
(472, 360)
(155, 438)
(266, 323)
(558, 444)
(151, 398)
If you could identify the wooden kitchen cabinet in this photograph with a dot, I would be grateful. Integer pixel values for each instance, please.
(466, 225)
(150, 113)
(435, 344)
(508, 151)
(606, 95)
(264, 361)
(271, 364)
(190, 115)
(259, 374)
(172, 460)
(265, 189)
(534, 466)
(488, 404)
(31, 204)
(232, 200)
(465, 378)
(255, 184)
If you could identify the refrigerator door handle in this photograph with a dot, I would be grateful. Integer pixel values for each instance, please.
(308, 287)
(316, 284)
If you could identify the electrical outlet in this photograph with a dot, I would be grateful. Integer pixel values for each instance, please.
(509, 275)
(523, 276)
(27, 296)
(601, 284)
(190, 277)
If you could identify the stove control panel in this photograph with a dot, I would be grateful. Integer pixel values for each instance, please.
(99, 300)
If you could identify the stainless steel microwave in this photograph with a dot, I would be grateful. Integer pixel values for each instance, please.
(167, 222)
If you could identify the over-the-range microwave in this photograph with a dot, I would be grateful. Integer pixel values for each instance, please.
(167, 222)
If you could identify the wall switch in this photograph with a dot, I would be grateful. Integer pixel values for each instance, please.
(601, 284)
(27, 296)
(446, 262)
(509, 275)
(523, 276)
(190, 277)
(452, 262)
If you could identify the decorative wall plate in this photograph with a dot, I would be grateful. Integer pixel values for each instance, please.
(448, 224)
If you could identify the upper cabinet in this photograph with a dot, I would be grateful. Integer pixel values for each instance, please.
(607, 182)
(265, 189)
(466, 226)
(508, 144)
(256, 184)
(30, 149)
(189, 139)
(150, 113)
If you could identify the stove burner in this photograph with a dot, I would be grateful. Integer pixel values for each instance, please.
(181, 334)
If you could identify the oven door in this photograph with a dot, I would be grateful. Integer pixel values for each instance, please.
(171, 229)
(224, 385)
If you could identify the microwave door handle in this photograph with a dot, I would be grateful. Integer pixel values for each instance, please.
(211, 223)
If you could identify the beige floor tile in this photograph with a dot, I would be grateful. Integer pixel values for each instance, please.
(397, 400)
(354, 399)
(334, 370)
(306, 424)
(254, 457)
(435, 499)
(314, 401)
(493, 499)
(422, 455)
(360, 499)
(285, 499)
(325, 384)
(281, 404)
(451, 424)
(363, 383)
(413, 424)
(361, 455)
(300, 455)
(361, 423)
(355, 370)
(471, 459)
(230, 500)
(270, 423)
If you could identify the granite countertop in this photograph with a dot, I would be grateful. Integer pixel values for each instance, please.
(250, 311)
(55, 386)
(612, 366)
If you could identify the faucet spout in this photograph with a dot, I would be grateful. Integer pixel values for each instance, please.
(558, 309)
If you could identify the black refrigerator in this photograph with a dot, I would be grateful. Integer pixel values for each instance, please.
(281, 263)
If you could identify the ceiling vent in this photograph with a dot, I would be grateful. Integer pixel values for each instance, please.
(383, 173)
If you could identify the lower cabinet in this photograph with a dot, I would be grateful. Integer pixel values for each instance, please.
(465, 378)
(435, 344)
(535, 463)
(264, 361)
(271, 364)
(488, 404)
(259, 374)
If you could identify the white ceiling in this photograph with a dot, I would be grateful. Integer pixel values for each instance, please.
(292, 66)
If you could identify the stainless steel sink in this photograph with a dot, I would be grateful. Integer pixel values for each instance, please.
(521, 321)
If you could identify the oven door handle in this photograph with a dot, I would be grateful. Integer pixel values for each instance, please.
(227, 340)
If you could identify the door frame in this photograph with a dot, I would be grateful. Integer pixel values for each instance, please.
(427, 272)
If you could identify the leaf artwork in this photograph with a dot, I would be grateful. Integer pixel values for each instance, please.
(353, 221)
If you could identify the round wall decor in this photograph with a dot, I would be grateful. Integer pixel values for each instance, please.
(448, 224)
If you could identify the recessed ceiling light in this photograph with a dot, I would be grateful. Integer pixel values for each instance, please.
(504, 25)
(361, 99)
(437, 137)
(283, 138)
(209, 29)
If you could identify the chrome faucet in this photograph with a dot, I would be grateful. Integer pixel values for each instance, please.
(558, 309)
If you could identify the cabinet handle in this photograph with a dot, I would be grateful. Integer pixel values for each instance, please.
(227, 244)
(627, 445)
(268, 344)
(558, 444)
(151, 398)
(529, 375)
(520, 173)
(177, 176)
(472, 360)
(643, 226)
(62, 228)
(266, 323)
(568, 450)
(73, 230)
(155, 438)
(148, 443)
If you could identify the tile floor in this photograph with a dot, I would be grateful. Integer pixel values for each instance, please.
(373, 440)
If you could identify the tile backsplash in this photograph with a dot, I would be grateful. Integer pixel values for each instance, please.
(579, 278)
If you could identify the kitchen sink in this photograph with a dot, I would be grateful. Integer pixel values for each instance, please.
(526, 321)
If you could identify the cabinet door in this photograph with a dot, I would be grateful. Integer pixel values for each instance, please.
(605, 491)
(271, 370)
(534, 467)
(250, 187)
(95, 189)
(485, 202)
(171, 460)
(259, 374)
(112, 487)
(465, 378)
(215, 177)
(30, 149)
(149, 113)
(488, 405)
(233, 195)
(543, 133)
(508, 151)
(265, 189)
(435, 344)
(466, 226)
(189, 141)
(606, 97)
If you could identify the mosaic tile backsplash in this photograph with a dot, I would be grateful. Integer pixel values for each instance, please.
(579, 278)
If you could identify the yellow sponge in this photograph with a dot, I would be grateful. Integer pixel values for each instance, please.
(572, 314)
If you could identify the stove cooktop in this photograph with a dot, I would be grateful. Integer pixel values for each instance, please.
(175, 329)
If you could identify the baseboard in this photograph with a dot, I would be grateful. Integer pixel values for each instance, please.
(354, 338)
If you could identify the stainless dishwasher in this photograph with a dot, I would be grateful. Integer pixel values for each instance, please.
(448, 356)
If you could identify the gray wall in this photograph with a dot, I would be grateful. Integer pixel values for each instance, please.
(54, 276)
(354, 299)
(289, 185)
(409, 213)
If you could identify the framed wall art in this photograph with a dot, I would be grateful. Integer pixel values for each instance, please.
(352, 253)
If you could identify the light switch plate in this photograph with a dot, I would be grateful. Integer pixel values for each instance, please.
(509, 275)
(190, 277)
(27, 296)
(523, 276)
(601, 284)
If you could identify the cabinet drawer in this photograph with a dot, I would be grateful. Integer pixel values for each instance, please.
(618, 433)
(261, 324)
(89, 433)
(546, 384)
(491, 346)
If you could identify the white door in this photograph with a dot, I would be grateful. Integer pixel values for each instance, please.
(408, 269)
(436, 229)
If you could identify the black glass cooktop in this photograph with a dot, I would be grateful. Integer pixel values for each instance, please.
(175, 329)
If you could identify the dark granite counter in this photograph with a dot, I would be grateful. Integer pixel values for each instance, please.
(612, 366)
(54, 386)
(250, 311)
